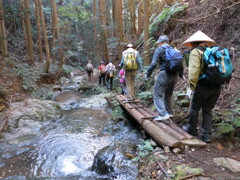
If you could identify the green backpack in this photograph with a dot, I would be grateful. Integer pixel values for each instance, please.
(130, 62)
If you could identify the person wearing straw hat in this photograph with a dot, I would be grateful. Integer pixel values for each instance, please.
(165, 83)
(130, 71)
(202, 96)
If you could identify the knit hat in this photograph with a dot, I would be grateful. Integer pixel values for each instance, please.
(199, 36)
(163, 38)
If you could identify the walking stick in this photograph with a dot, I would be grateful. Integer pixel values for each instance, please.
(188, 112)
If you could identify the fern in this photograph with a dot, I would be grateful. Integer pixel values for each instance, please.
(164, 17)
(224, 128)
(236, 122)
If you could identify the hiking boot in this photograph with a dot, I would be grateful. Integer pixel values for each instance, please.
(161, 118)
(189, 130)
(206, 138)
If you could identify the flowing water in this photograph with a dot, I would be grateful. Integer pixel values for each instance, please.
(83, 144)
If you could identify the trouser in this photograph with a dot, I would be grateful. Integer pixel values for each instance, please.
(130, 78)
(89, 74)
(109, 83)
(205, 98)
(163, 90)
(123, 87)
(102, 79)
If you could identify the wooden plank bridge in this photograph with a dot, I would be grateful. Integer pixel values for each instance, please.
(165, 133)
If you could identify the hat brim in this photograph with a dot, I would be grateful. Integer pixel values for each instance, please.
(189, 43)
(199, 36)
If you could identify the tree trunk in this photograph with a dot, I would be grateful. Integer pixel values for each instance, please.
(140, 17)
(119, 24)
(45, 37)
(39, 31)
(96, 51)
(114, 15)
(23, 23)
(102, 13)
(146, 31)
(29, 33)
(3, 37)
(60, 40)
(53, 11)
(132, 17)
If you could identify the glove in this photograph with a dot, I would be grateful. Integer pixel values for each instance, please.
(146, 77)
(189, 93)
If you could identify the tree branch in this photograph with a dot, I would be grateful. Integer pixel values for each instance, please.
(207, 16)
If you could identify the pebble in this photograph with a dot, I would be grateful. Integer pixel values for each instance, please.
(176, 150)
(166, 149)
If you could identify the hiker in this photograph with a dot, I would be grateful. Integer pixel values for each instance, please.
(122, 81)
(202, 96)
(89, 70)
(131, 62)
(164, 85)
(110, 72)
(102, 73)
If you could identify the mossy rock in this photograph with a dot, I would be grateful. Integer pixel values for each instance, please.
(184, 170)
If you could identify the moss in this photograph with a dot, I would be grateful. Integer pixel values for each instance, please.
(184, 170)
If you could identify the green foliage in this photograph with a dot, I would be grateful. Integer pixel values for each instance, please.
(145, 96)
(42, 93)
(231, 123)
(28, 76)
(164, 17)
(66, 69)
(238, 100)
(118, 112)
(143, 150)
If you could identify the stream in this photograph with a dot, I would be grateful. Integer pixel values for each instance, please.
(82, 144)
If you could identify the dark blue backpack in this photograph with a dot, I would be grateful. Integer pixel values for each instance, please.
(174, 60)
(218, 67)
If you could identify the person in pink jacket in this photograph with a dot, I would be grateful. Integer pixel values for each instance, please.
(122, 81)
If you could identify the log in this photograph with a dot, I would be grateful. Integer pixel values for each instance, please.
(171, 128)
(152, 129)
(164, 133)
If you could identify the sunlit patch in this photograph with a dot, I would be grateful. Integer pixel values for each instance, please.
(69, 166)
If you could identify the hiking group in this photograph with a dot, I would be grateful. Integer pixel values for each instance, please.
(208, 66)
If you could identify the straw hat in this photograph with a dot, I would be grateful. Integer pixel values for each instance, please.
(199, 36)
(129, 45)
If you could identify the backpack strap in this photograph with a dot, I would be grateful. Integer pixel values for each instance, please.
(201, 48)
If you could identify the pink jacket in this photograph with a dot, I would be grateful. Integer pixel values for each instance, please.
(122, 76)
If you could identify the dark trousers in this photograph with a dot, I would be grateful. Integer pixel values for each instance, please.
(102, 79)
(205, 98)
(123, 87)
(109, 83)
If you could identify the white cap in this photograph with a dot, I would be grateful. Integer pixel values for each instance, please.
(129, 45)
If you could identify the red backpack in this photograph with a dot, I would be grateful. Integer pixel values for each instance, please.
(102, 69)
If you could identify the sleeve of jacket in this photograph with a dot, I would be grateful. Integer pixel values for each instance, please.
(154, 62)
(194, 68)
